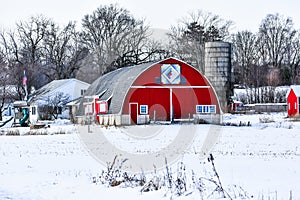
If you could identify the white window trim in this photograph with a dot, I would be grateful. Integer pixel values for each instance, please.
(208, 111)
(33, 110)
(103, 105)
(144, 113)
(82, 92)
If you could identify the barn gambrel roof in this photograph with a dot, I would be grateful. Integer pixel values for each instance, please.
(115, 85)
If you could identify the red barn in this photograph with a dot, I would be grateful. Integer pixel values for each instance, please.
(168, 90)
(293, 99)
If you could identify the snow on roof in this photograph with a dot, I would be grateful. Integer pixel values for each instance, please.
(296, 89)
(114, 85)
(20, 103)
(51, 87)
(74, 102)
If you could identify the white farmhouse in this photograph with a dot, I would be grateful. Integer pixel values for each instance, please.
(50, 100)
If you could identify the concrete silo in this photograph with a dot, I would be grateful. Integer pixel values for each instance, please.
(219, 70)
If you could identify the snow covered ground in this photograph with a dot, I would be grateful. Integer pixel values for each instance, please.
(261, 161)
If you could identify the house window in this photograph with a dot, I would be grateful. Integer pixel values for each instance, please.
(33, 110)
(82, 92)
(59, 110)
(144, 109)
(205, 109)
(295, 106)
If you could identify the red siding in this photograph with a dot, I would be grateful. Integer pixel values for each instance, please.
(184, 98)
(157, 99)
(96, 108)
(193, 77)
(292, 100)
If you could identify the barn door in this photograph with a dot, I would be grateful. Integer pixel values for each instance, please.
(133, 110)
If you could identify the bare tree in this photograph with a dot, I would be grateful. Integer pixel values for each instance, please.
(252, 66)
(148, 52)
(63, 52)
(111, 34)
(292, 58)
(30, 49)
(246, 56)
(43, 50)
(189, 35)
(273, 54)
(52, 105)
(3, 83)
(11, 69)
(275, 31)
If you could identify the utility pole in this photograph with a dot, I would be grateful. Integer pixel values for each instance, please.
(89, 112)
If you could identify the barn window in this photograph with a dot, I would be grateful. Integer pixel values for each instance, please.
(183, 80)
(212, 109)
(103, 107)
(144, 109)
(157, 80)
(205, 109)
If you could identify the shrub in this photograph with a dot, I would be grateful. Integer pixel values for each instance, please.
(114, 176)
(266, 119)
(36, 132)
(13, 132)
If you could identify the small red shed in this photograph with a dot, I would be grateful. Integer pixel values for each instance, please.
(293, 99)
(236, 106)
(168, 90)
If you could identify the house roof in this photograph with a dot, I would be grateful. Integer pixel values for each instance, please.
(296, 89)
(115, 84)
(51, 87)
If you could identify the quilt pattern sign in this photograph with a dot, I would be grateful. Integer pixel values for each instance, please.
(170, 74)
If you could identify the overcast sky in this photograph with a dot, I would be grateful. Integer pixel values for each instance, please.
(158, 13)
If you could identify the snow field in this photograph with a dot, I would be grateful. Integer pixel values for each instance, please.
(260, 161)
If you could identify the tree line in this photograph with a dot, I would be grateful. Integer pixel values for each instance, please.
(268, 58)
(111, 37)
